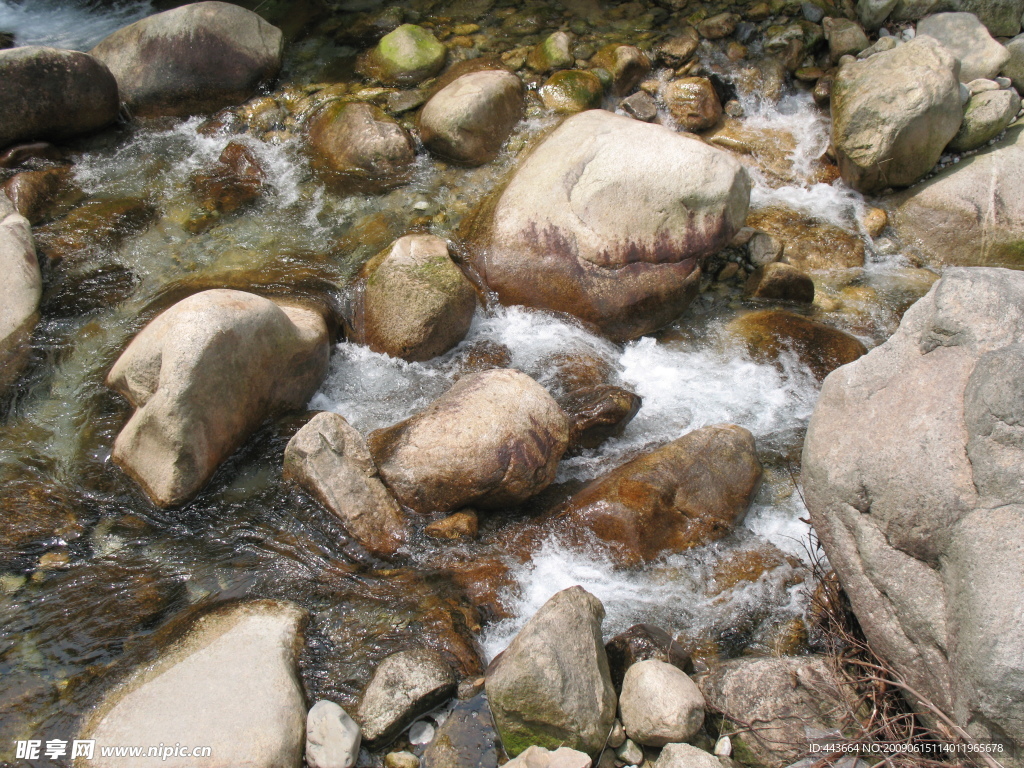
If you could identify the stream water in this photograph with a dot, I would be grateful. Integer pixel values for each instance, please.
(91, 572)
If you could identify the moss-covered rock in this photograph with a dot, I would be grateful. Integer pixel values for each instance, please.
(406, 56)
(572, 91)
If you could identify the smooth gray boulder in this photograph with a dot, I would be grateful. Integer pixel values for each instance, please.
(987, 114)
(193, 59)
(785, 698)
(329, 458)
(893, 114)
(412, 301)
(538, 757)
(970, 214)
(20, 292)
(203, 376)
(551, 687)
(332, 737)
(660, 704)
(231, 684)
(873, 13)
(1014, 66)
(967, 39)
(404, 686)
(685, 756)
(609, 219)
(48, 93)
(493, 440)
(913, 472)
(469, 119)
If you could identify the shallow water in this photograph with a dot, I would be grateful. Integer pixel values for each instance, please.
(91, 572)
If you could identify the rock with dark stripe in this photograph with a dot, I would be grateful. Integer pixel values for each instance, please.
(48, 93)
(609, 219)
(193, 59)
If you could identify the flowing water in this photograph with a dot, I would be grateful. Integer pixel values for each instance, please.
(92, 574)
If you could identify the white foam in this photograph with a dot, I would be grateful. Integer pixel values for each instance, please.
(62, 24)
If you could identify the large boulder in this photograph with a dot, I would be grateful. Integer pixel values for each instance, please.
(358, 142)
(689, 492)
(893, 113)
(493, 440)
(231, 684)
(551, 686)
(609, 219)
(469, 119)
(1001, 17)
(913, 472)
(203, 376)
(48, 93)
(966, 38)
(412, 301)
(971, 214)
(329, 458)
(786, 699)
(20, 292)
(194, 59)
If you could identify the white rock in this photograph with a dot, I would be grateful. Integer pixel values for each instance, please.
(332, 737)
(421, 732)
(660, 704)
(685, 756)
(538, 757)
(20, 291)
(967, 39)
(230, 684)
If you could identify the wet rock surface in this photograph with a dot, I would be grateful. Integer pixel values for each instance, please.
(494, 439)
(21, 292)
(686, 493)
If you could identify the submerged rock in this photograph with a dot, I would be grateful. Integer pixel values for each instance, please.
(193, 59)
(660, 704)
(404, 686)
(551, 686)
(781, 282)
(330, 459)
(912, 472)
(572, 91)
(93, 228)
(627, 64)
(20, 292)
(466, 738)
(412, 301)
(230, 684)
(693, 103)
(609, 219)
(332, 737)
(36, 193)
(55, 94)
(807, 243)
(358, 142)
(468, 120)
(405, 56)
(236, 181)
(689, 492)
(639, 643)
(970, 214)
(894, 113)
(967, 39)
(493, 440)
(769, 333)
(202, 376)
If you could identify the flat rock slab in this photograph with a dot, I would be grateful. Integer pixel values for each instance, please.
(230, 684)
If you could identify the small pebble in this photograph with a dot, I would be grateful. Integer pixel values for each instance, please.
(421, 732)
(909, 33)
(723, 747)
